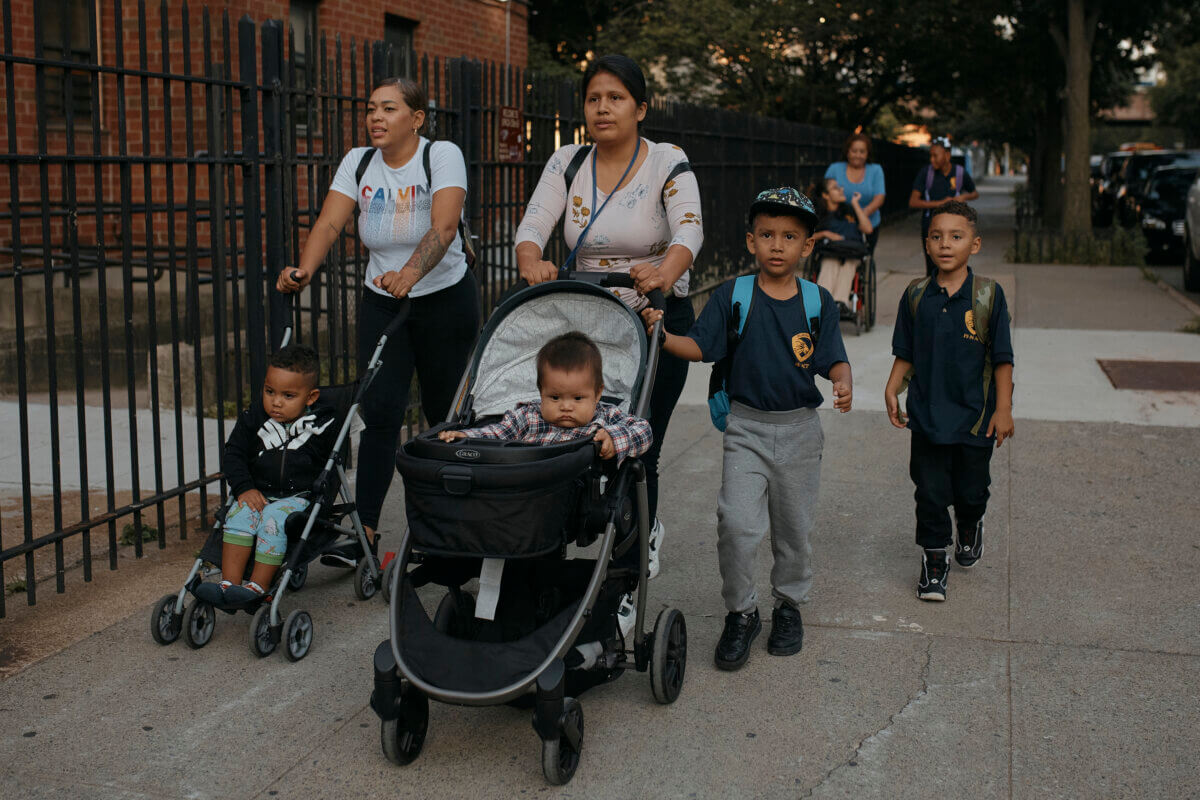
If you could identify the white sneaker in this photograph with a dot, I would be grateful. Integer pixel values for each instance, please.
(657, 532)
(626, 616)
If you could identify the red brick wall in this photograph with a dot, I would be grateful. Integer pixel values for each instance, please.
(446, 28)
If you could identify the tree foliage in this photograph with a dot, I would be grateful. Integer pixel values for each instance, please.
(1177, 100)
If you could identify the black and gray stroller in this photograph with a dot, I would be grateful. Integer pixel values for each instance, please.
(554, 535)
(318, 530)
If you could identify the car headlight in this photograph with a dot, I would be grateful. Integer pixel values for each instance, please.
(1153, 223)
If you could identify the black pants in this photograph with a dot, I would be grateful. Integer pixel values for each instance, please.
(435, 343)
(948, 475)
(678, 317)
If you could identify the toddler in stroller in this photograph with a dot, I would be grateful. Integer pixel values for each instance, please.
(556, 536)
(284, 465)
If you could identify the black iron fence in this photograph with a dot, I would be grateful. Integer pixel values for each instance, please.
(154, 187)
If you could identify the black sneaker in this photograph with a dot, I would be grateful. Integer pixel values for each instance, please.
(969, 547)
(935, 565)
(787, 631)
(734, 646)
(344, 555)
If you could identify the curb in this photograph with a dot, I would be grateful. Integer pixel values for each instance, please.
(1178, 296)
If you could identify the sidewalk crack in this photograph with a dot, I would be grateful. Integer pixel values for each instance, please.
(912, 701)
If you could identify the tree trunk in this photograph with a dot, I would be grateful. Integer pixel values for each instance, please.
(1077, 202)
(1049, 149)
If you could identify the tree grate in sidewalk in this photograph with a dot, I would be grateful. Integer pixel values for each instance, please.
(1154, 376)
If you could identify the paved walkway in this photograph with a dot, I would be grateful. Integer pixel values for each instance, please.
(1062, 665)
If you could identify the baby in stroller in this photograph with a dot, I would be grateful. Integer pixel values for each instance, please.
(275, 452)
(570, 379)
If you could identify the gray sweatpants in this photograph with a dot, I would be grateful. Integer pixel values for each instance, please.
(770, 479)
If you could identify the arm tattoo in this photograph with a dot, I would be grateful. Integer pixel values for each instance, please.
(429, 252)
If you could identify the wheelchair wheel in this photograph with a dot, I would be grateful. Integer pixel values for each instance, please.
(871, 300)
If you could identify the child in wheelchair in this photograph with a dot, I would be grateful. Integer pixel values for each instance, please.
(840, 259)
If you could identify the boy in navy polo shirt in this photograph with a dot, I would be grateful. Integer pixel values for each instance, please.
(772, 446)
(959, 395)
(939, 181)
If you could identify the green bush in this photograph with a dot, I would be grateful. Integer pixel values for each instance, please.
(129, 533)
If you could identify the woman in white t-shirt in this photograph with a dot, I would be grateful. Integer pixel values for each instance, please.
(409, 194)
(651, 227)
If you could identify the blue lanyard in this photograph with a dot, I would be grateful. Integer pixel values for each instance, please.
(596, 211)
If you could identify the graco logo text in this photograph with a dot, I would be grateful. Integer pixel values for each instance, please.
(467, 453)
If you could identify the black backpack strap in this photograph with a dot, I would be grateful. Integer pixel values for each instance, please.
(464, 233)
(363, 163)
(425, 165)
(576, 162)
(676, 171)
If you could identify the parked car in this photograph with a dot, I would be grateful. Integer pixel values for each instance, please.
(1135, 173)
(1161, 208)
(1104, 187)
(1191, 239)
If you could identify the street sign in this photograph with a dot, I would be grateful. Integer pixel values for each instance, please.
(511, 138)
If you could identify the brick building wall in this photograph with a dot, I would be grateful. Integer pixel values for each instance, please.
(440, 28)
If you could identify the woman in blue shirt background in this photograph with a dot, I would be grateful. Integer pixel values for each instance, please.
(855, 175)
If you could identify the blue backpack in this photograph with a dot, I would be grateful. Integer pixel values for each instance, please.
(743, 295)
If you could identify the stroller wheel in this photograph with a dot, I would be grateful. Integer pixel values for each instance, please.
(560, 758)
(388, 575)
(451, 619)
(668, 659)
(298, 634)
(299, 576)
(365, 582)
(260, 632)
(198, 624)
(402, 738)
(165, 627)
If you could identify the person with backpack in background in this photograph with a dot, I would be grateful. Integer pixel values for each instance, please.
(626, 204)
(770, 335)
(953, 348)
(938, 181)
(409, 193)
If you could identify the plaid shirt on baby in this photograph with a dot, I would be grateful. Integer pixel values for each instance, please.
(631, 435)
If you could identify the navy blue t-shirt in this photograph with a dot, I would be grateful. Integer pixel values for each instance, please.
(945, 397)
(843, 223)
(775, 365)
(942, 187)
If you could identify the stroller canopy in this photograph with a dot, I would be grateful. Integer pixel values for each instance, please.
(504, 371)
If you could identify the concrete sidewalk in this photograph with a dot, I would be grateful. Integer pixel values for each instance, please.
(1061, 666)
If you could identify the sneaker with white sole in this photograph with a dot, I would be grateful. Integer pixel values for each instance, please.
(969, 547)
(626, 616)
(657, 532)
(935, 566)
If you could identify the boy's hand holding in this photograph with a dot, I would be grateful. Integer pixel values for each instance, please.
(651, 316)
(1001, 425)
(607, 448)
(843, 393)
(254, 499)
(450, 436)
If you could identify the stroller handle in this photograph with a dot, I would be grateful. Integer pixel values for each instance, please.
(618, 280)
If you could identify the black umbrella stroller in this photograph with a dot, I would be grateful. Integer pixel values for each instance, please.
(313, 532)
(555, 535)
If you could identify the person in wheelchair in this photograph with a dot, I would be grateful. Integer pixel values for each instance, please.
(570, 380)
(274, 454)
(845, 223)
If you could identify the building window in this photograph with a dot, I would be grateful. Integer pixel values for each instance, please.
(303, 19)
(67, 38)
(400, 36)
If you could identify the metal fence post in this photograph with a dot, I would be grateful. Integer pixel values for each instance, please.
(273, 121)
(252, 218)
